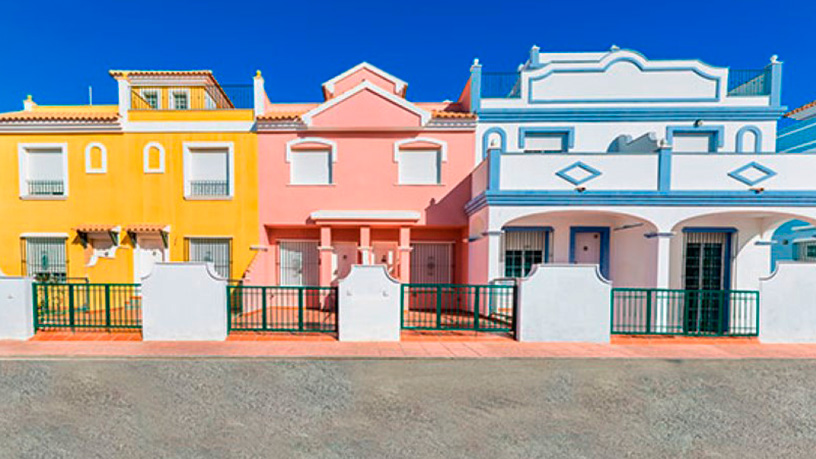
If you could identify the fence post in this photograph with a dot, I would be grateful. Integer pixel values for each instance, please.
(71, 317)
(476, 309)
(300, 308)
(438, 306)
(264, 317)
(107, 306)
(36, 304)
(649, 311)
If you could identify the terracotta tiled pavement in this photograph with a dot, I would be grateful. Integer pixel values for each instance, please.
(425, 345)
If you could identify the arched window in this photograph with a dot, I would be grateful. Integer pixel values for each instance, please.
(96, 158)
(154, 158)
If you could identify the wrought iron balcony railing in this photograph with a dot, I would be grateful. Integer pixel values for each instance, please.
(209, 188)
(46, 187)
(501, 85)
(751, 82)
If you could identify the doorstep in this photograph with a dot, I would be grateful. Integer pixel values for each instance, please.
(642, 340)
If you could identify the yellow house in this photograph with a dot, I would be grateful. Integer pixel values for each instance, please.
(99, 193)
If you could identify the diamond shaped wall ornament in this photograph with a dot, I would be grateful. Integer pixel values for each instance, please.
(752, 173)
(578, 173)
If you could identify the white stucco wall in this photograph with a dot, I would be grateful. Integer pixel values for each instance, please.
(16, 308)
(369, 305)
(184, 302)
(787, 304)
(560, 303)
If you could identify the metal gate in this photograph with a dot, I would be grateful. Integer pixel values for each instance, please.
(102, 306)
(490, 308)
(284, 309)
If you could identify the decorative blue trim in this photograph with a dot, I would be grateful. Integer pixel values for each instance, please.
(629, 59)
(776, 84)
(612, 114)
(494, 170)
(593, 173)
(745, 198)
(664, 166)
(486, 137)
(717, 137)
(604, 231)
(568, 133)
(736, 174)
(757, 134)
(475, 88)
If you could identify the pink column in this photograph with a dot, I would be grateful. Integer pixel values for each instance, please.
(326, 250)
(365, 245)
(405, 255)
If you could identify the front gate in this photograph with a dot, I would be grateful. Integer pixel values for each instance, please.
(652, 311)
(489, 308)
(87, 306)
(282, 309)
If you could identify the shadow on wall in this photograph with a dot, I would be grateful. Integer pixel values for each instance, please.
(450, 209)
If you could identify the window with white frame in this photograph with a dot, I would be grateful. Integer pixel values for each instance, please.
(550, 142)
(693, 142)
(311, 167)
(208, 170)
(151, 97)
(420, 166)
(179, 99)
(43, 170)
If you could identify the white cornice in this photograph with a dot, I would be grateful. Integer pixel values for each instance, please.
(399, 85)
(424, 115)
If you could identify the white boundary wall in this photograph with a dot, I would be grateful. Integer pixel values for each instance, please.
(368, 305)
(16, 309)
(562, 302)
(787, 304)
(184, 302)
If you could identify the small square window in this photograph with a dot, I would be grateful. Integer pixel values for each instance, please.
(419, 167)
(151, 98)
(311, 167)
(43, 170)
(180, 100)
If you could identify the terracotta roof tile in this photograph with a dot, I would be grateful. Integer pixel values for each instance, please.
(280, 116)
(115, 73)
(21, 117)
(94, 228)
(452, 114)
(145, 228)
(801, 109)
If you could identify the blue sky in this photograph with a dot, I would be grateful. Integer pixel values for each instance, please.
(55, 50)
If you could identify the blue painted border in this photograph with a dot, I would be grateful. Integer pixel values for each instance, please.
(604, 230)
(568, 132)
(607, 114)
(494, 170)
(639, 65)
(475, 88)
(717, 138)
(736, 174)
(776, 84)
(486, 136)
(664, 167)
(757, 142)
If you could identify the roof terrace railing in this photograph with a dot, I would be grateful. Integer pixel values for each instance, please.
(749, 82)
(501, 85)
(192, 97)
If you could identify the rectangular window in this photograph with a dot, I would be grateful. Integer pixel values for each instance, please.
(45, 258)
(209, 172)
(217, 251)
(545, 142)
(522, 249)
(43, 170)
(419, 167)
(687, 142)
(179, 99)
(151, 98)
(299, 263)
(311, 167)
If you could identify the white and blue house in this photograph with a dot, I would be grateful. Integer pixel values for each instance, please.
(665, 173)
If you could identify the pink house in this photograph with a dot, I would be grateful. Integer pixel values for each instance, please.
(365, 176)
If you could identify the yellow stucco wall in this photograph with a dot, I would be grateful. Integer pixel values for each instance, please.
(126, 195)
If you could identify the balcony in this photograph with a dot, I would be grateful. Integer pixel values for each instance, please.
(646, 173)
(193, 98)
(741, 83)
(46, 187)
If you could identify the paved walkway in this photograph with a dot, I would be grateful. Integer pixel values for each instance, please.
(412, 346)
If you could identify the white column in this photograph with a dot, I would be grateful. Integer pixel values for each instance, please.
(124, 97)
(259, 94)
(661, 304)
(494, 265)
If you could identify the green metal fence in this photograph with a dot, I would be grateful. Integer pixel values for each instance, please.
(649, 311)
(274, 308)
(459, 307)
(105, 306)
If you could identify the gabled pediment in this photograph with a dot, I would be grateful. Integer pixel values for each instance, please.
(360, 73)
(367, 105)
